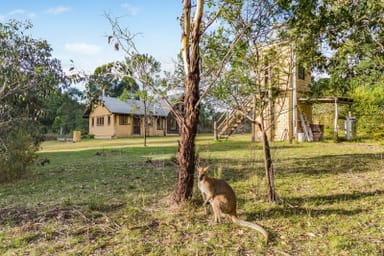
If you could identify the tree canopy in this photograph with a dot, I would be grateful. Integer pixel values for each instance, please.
(28, 75)
(343, 38)
(105, 78)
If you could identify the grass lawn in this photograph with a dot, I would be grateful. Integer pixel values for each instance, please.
(110, 197)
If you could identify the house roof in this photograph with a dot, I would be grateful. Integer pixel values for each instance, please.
(136, 107)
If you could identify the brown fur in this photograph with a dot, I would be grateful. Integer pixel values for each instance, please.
(222, 198)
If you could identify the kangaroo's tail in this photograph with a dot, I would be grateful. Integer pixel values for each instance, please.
(251, 225)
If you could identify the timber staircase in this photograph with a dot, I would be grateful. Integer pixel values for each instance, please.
(308, 135)
(230, 120)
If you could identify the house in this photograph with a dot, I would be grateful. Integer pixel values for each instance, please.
(111, 117)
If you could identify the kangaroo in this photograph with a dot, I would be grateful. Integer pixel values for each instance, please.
(220, 195)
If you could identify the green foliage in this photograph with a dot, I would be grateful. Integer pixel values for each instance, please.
(345, 40)
(206, 117)
(63, 113)
(322, 88)
(369, 108)
(28, 75)
(19, 156)
(108, 79)
(245, 27)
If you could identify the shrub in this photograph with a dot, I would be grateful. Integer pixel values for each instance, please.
(18, 156)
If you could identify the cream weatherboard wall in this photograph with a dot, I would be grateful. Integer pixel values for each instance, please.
(279, 75)
(104, 124)
(123, 125)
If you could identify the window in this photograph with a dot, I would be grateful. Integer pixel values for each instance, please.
(109, 120)
(301, 72)
(123, 120)
(160, 123)
(100, 121)
(93, 121)
(172, 124)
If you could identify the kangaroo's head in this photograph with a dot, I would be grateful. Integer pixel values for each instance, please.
(202, 172)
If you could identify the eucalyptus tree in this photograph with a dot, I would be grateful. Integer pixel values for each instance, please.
(105, 80)
(345, 38)
(246, 85)
(196, 20)
(28, 75)
(146, 68)
(187, 116)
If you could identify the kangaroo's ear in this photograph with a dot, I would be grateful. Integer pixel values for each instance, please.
(206, 169)
(198, 160)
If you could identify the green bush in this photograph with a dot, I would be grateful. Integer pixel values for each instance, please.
(18, 156)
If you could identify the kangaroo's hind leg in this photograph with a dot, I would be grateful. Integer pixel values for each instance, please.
(216, 210)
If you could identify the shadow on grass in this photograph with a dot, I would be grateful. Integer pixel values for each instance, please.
(294, 206)
(331, 199)
(231, 145)
(327, 164)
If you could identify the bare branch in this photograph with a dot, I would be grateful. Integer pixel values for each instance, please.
(171, 107)
(123, 38)
(12, 88)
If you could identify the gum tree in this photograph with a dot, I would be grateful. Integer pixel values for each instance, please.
(196, 20)
(28, 75)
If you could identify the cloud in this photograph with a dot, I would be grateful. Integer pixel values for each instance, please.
(58, 10)
(83, 48)
(133, 10)
(18, 13)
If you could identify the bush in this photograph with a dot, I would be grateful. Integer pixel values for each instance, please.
(18, 156)
(88, 136)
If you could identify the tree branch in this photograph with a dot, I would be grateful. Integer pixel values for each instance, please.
(120, 35)
(210, 22)
(223, 62)
(171, 108)
(185, 36)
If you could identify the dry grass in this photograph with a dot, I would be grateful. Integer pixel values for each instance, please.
(111, 197)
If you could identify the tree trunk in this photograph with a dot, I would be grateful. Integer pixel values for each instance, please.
(188, 130)
(145, 123)
(188, 123)
(268, 166)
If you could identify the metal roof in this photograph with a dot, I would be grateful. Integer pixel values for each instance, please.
(133, 107)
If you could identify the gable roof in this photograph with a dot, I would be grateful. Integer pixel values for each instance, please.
(133, 107)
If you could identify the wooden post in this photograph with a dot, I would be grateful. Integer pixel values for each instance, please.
(253, 125)
(215, 130)
(335, 126)
(76, 136)
(294, 92)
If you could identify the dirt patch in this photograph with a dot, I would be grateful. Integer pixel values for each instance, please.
(17, 216)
